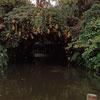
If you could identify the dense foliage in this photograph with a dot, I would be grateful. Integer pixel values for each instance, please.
(74, 23)
(30, 23)
(6, 7)
(89, 39)
(3, 57)
(35, 23)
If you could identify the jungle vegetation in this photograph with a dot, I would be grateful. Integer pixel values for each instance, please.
(74, 23)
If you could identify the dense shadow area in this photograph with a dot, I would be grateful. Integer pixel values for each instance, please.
(31, 53)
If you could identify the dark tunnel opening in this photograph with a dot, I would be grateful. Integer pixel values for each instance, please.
(32, 52)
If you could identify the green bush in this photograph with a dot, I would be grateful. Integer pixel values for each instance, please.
(91, 14)
(91, 37)
(3, 57)
(88, 44)
(29, 23)
(8, 5)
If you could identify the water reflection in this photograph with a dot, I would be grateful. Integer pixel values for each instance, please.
(47, 82)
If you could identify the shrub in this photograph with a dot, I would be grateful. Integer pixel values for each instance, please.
(88, 43)
(91, 14)
(7, 5)
(27, 23)
(91, 37)
(3, 57)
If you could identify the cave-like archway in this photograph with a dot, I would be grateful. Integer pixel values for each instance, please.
(39, 30)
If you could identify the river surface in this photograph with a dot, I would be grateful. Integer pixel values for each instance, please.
(47, 82)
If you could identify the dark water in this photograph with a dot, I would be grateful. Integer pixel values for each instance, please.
(47, 82)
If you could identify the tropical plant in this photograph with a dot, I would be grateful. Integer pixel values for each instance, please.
(92, 39)
(7, 6)
(89, 40)
(36, 22)
(4, 22)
